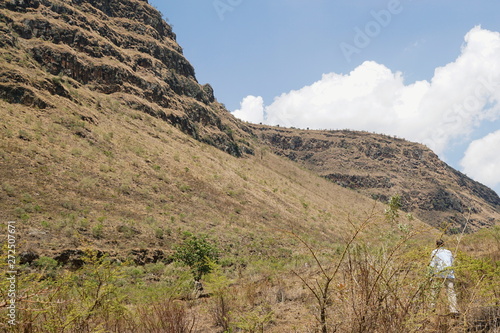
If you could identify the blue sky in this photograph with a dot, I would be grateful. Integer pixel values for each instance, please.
(424, 70)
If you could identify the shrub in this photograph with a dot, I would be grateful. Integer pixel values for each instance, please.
(165, 316)
(197, 253)
(46, 263)
(85, 300)
(97, 231)
(159, 233)
(218, 287)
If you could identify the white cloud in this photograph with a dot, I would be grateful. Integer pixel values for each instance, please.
(251, 110)
(440, 112)
(482, 160)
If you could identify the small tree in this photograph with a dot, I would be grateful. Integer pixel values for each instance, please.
(197, 253)
(392, 211)
(218, 286)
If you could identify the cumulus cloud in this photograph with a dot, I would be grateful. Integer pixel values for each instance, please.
(252, 109)
(438, 112)
(482, 160)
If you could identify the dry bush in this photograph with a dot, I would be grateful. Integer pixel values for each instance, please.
(221, 312)
(484, 319)
(370, 287)
(386, 287)
(164, 317)
(381, 293)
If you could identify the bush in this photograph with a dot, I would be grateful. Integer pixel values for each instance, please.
(97, 231)
(166, 316)
(46, 263)
(197, 253)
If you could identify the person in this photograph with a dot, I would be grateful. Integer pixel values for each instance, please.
(443, 274)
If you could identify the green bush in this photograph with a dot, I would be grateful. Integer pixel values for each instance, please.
(46, 263)
(197, 253)
(97, 231)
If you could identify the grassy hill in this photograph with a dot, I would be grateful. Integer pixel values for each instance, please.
(379, 166)
(129, 180)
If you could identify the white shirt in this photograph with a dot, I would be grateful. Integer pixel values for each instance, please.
(441, 262)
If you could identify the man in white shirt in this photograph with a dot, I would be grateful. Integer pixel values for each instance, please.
(443, 274)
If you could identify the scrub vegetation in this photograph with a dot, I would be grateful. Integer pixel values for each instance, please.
(356, 284)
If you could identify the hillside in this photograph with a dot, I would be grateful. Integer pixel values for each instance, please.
(108, 141)
(380, 166)
(123, 49)
(112, 155)
(85, 61)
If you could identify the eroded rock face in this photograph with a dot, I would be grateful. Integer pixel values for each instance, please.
(381, 166)
(28, 257)
(111, 47)
(75, 258)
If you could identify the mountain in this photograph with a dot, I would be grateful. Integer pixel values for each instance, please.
(109, 145)
(380, 166)
(109, 47)
(108, 141)
(106, 130)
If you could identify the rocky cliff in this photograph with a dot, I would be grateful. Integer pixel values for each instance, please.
(380, 166)
(120, 48)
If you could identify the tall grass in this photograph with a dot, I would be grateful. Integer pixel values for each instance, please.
(385, 286)
(359, 285)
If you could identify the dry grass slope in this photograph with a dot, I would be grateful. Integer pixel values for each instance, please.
(380, 166)
(76, 175)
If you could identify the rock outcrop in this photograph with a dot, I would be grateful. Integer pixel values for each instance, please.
(380, 166)
(111, 47)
